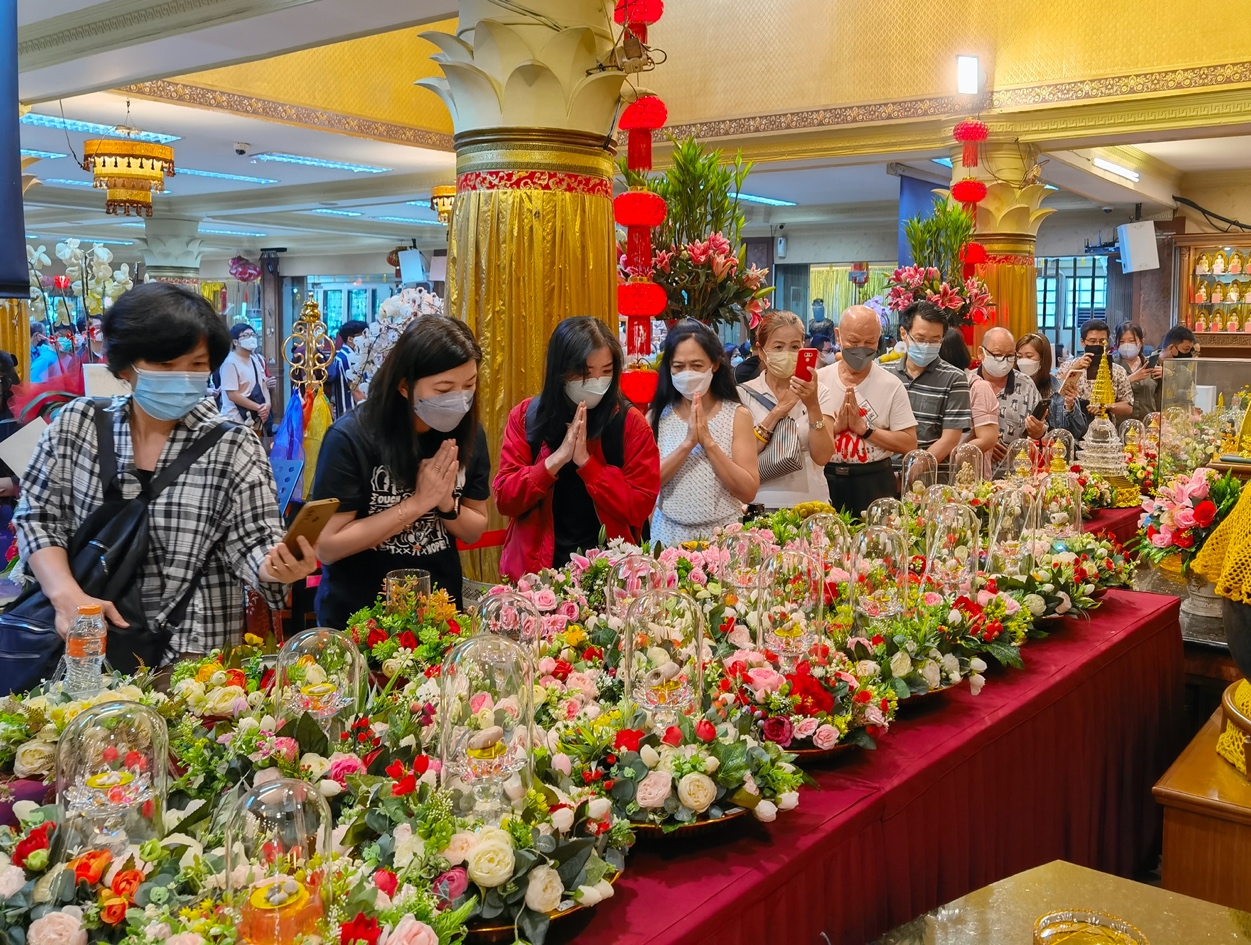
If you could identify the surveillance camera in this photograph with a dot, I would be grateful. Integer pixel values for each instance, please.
(241, 147)
(1107, 209)
(781, 226)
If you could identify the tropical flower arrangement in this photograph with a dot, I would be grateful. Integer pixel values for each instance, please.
(89, 275)
(938, 242)
(1182, 514)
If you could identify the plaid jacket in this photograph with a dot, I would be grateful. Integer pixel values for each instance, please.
(216, 522)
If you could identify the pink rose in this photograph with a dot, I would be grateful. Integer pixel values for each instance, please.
(740, 636)
(806, 728)
(1163, 538)
(554, 624)
(57, 928)
(583, 683)
(185, 938)
(567, 609)
(763, 679)
(343, 766)
(458, 849)
(510, 707)
(825, 737)
(287, 749)
(479, 701)
(1184, 518)
(1198, 486)
(410, 931)
(654, 789)
(549, 680)
(698, 576)
(561, 763)
(669, 557)
(452, 884)
(547, 666)
(545, 600)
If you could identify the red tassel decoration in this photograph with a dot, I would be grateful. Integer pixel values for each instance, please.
(640, 118)
(639, 150)
(639, 249)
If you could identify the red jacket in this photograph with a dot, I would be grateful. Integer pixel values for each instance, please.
(623, 497)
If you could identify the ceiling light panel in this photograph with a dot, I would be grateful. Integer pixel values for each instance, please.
(337, 213)
(767, 201)
(90, 128)
(42, 155)
(216, 175)
(282, 158)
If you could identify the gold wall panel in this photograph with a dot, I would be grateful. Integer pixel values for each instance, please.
(371, 77)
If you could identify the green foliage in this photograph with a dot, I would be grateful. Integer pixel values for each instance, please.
(937, 240)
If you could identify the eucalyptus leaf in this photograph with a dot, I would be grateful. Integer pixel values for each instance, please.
(533, 926)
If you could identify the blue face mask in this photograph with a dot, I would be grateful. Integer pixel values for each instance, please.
(169, 395)
(922, 353)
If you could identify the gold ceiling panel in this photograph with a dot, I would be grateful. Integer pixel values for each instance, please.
(371, 77)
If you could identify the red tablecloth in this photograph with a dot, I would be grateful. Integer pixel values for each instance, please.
(1122, 523)
(1053, 763)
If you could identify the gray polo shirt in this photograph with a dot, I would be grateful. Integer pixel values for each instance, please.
(939, 397)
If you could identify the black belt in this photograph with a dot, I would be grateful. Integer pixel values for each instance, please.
(858, 469)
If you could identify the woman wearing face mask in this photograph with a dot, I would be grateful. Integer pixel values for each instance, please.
(410, 470)
(244, 395)
(577, 459)
(1064, 411)
(777, 393)
(213, 529)
(707, 449)
(1129, 356)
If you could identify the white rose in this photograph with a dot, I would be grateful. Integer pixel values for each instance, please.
(12, 879)
(1035, 604)
(900, 664)
(490, 863)
(766, 812)
(393, 666)
(221, 702)
(514, 788)
(247, 724)
(597, 808)
(951, 666)
(314, 675)
(711, 764)
(697, 791)
(588, 896)
(269, 723)
(649, 756)
(544, 890)
(562, 819)
(35, 759)
(407, 845)
(977, 665)
(315, 764)
(932, 674)
(866, 669)
(976, 683)
(658, 656)
(329, 788)
(788, 800)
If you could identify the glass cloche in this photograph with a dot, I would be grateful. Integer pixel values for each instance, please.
(112, 775)
(1059, 498)
(320, 673)
(879, 572)
(512, 616)
(952, 546)
(792, 606)
(917, 473)
(663, 655)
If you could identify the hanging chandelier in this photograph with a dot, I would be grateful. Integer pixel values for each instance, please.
(127, 170)
(442, 199)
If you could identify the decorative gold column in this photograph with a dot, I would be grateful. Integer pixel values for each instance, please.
(532, 238)
(1007, 225)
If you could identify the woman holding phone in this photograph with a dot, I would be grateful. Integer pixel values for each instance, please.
(1059, 407)
(780, 398)
(410, 470)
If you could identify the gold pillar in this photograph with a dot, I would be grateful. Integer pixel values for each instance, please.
(532, 242)
(15, 333)
(1007, 225)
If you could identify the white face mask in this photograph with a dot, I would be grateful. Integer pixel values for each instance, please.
(248, 344)
(1129, 351)
(443, 412)
(690, 383)
(996, 365)
(589, 391)
(1028, 366)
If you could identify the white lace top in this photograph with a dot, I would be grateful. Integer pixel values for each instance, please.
(695, 502)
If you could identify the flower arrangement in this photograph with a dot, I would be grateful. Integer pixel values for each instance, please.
(406, 636)
(1096, 491)
(937, 243)
(702, 262)
(89, 275)
(1182, 514)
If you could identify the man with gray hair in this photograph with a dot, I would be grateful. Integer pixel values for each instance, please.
(1018, 396)
(873, 419)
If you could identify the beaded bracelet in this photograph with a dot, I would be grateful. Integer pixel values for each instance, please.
(763, 435)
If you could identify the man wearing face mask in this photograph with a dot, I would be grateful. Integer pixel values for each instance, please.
(938, 392)
(873, 419)
(1017, 394)
(1095, 346)
(244, 394)
(67, 361)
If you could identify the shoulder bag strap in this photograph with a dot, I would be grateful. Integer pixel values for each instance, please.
(760, 398)
(187, 458)
(106, 452)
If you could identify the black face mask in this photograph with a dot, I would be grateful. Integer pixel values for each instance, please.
(1187, 354)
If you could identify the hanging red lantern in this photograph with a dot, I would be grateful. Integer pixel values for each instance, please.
(973, 254)
(637, 15)
(969, 192)
(640, 118)
(641, 297)
(638, 211)
(970, 132)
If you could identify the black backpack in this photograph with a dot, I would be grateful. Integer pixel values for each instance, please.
(105, 557)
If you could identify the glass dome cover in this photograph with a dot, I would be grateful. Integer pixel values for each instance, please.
(112, 775)
(320, 673)
(663, 655)
(917, 473)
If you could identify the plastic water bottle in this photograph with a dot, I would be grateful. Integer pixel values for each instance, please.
(84, 652)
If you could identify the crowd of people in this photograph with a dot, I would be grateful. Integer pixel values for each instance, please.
(579, 464)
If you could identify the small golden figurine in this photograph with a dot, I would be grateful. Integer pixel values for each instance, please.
(1201, 322)
(1201, 293)
(1235, 263)
(1218, 264)
(1203, 265)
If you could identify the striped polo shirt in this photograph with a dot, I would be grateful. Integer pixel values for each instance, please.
(939, 397)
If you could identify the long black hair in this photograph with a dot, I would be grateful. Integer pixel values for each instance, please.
(573, 341)
(955, 350)
(430, 345)
(722, 377)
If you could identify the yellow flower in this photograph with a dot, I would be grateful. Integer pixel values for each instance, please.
(575, 635)
(207, 670)
(251, 639)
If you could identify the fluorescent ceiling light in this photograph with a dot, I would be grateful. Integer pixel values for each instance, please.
(945, 162)
(281, 158)
(45, 155)
(91, 128)
(32, 236)
(1050, 187)
(767, 201)
(337, 213)
(190, 172)
(132, 224)
(1118, 169)
(967, 75)
(66, 182)
(217, 232)
(409, 220)
(88, 239)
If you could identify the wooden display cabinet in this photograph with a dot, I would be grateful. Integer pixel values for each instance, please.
(1214, 292)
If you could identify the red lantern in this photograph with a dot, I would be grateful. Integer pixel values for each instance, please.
(639, 387)
(972, 255)
(969, 192)
(637, 15)
(640, 118)
(61, 282)
(970, 133)
(641, 297)
(638, 211)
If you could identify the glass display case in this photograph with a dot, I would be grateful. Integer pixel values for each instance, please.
(1214, 292)
(1203, 415)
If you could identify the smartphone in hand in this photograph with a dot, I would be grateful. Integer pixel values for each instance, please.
(1040, 410)
(1096, 355)
(806, 362)
(313, 517)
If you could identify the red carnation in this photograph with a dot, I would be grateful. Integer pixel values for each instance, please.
(705, 731)
(360, 929)
(1205, 513)
(628, 739)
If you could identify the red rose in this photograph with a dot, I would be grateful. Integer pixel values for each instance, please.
(863, 696)
(628, 739)
(408, 640)
(1183, 539)
(109, 754)
(404, 786)
(386, 881)
(877, 640)
(135, 761)
(1205, 512)
(360, 929)
(267, 679)
(376, 635)
(778, 730)
(705, 731)
(672, 736)
(37, 839)
(421, 764)
(562, 670)
(395, 769)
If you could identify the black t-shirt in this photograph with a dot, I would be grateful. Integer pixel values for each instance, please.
(574, 519)
(350, 469)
